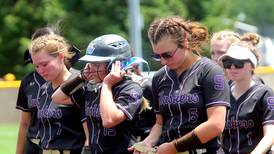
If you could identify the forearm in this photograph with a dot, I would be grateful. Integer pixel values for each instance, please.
(21, 140)
(111, 115)
(70, 86)
(205, 132)
(22, 132)
(214, 126)
(60, 97)
(153, 136)
(85, 126)
(194, 139)
(209, 130)
(264, 145)
(266, 142)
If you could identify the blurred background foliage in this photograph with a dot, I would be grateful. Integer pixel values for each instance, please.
(82, 20)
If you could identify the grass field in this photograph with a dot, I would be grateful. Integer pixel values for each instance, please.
(8, 135)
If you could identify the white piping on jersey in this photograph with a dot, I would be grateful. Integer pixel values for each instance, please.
(229, 131)
(98, 140)
(42, 121)
(268, 121)
(49, 133)
(23, 109)
(49, 139)
(237, 116)
(183, 84)
(92, 130)
(98, 134)
(218, 102)
(92, 136)
(125, 111)
(37, 97)
(181, 89)
(171, 89)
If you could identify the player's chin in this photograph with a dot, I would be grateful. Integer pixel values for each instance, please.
(47, 78)
(170, 66)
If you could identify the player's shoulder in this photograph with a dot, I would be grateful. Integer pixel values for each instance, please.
(207, 66)
(127, 82)
(207, 63)
(262, 88)
(160, 73)
(33, 76)
(28, 77)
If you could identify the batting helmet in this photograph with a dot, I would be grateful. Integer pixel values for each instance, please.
(107, 48)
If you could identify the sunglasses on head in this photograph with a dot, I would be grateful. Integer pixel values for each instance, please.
(227, 63)
(165, 55)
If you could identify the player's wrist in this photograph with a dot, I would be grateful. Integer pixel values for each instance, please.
(72, 85)
(189, 141)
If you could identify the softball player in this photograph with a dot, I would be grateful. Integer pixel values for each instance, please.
(28, 93)
(190, 92)
(221, 41)
(145, 119)
(250, 121)
(27, 101)
(110, 100)
(61, 129)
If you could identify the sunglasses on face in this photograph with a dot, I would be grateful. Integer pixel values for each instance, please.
(165, 55)
(227, 63)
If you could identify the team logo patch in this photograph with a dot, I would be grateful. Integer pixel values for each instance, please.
(90, 50)
(134, 94)
(270, 103)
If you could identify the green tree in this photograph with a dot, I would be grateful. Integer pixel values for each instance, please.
(82, 20)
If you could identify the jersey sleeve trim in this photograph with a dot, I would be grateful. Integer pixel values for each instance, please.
(268, 122)
(83, 119)
(125, 111)
(23, 109)
(218, 103)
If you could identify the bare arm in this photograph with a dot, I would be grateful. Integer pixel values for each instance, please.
(110, 113)
(266, 142)
(204, 132)
(60, 97)
(85, 126)
(153, 136)
(22, 133)
(155, 132)
(214, 126)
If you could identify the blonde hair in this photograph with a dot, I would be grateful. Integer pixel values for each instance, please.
(185, 33)
(250, 41)
(53, 44)
(227, 35)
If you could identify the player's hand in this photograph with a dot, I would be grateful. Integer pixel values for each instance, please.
(115, 75)
(166, 148)
(141, 148)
